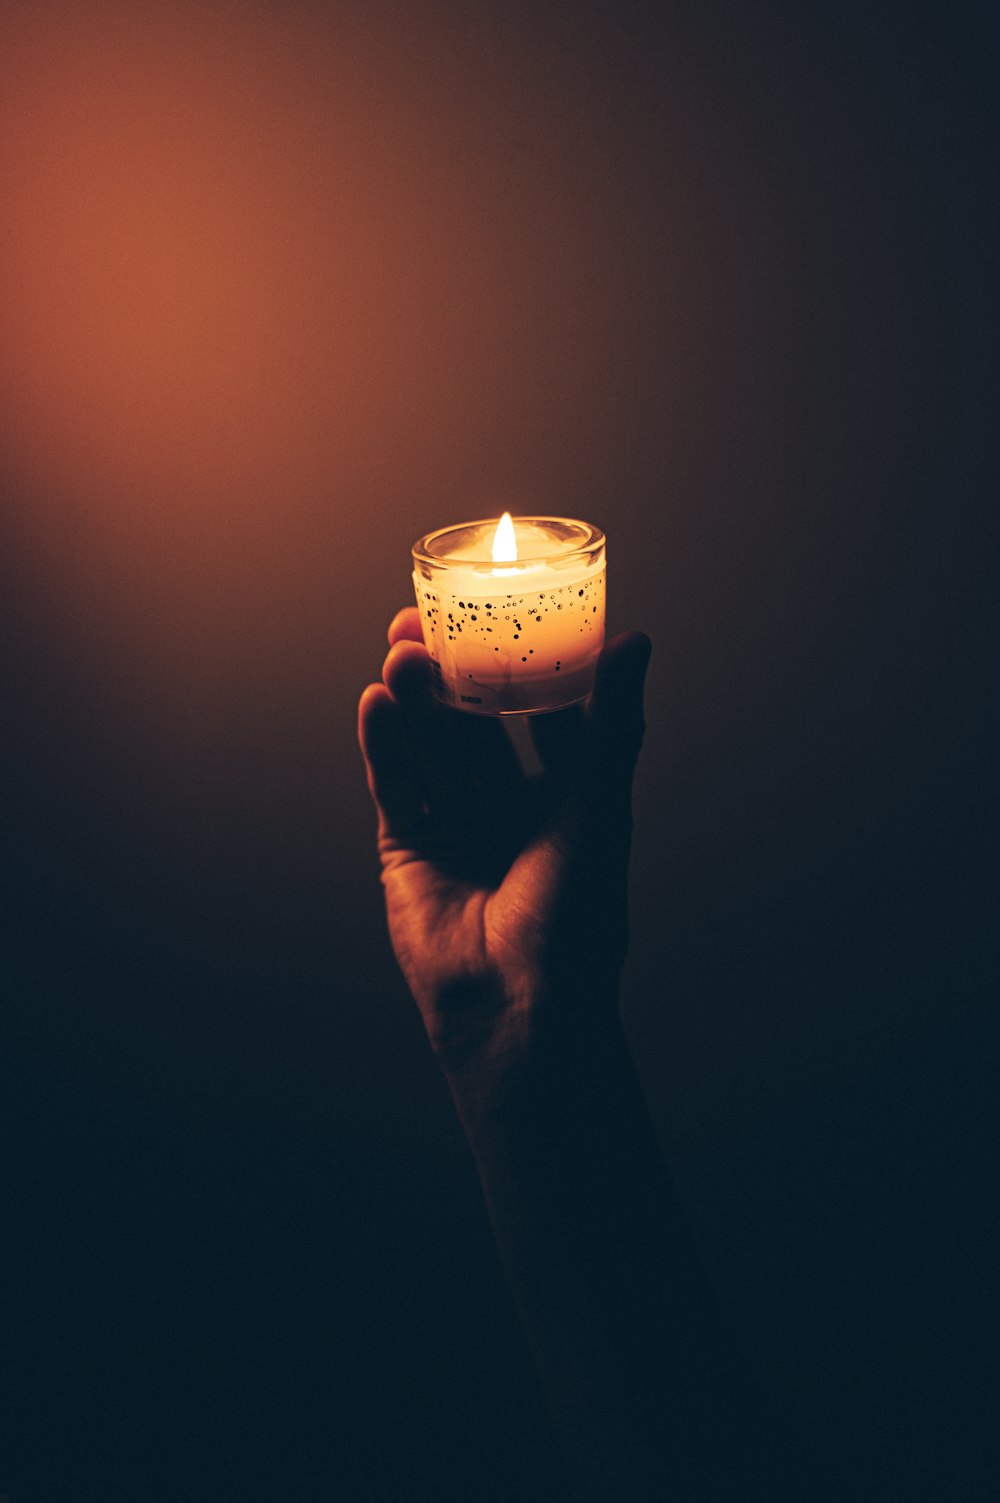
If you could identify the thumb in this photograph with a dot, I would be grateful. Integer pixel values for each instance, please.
(615, 714)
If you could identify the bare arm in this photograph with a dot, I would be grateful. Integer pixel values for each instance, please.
(507, 906)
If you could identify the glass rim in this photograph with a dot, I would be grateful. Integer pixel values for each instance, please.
(592, 541)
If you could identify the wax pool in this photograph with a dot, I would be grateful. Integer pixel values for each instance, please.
(518, 635)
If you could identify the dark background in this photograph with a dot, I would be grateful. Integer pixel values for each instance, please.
(283, 288)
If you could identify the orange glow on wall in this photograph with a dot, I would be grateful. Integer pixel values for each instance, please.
(268, 278)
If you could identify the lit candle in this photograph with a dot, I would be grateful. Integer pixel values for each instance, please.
(512, 612)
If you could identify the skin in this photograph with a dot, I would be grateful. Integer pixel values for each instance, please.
(505, 895)
(506, 899)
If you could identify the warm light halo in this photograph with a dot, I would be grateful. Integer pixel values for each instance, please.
(433, 550)
(504, 541)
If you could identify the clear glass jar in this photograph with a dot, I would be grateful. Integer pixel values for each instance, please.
(518, 636)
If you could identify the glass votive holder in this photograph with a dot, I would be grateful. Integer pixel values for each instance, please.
(512, 636)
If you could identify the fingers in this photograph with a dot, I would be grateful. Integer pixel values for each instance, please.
(408, 678)
(406, 673)
(425, 757)
(616, 723)
(393, 779)
(405, 626)
(557, 739)
(456, 753)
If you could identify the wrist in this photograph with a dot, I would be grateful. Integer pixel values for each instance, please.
(544, 1049)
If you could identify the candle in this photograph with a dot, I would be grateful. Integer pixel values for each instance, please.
(512, 612)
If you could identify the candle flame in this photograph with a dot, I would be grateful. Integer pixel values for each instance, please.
(504, 541)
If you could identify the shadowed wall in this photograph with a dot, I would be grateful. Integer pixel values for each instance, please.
(282, 290)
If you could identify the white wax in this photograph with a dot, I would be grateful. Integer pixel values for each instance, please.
(508, 638)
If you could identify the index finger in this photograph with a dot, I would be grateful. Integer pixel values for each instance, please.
(405, 626)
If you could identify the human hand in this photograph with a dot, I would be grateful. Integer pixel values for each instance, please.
(505, 894)
(506, 898)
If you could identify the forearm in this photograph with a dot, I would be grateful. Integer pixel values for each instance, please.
(641, 1382)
